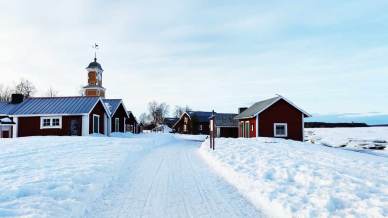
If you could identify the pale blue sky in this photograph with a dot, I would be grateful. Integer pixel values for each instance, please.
(328, 56)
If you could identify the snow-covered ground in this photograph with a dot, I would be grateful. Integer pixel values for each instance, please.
(286, 178)
(148, 175)
(351, 138)
(59, 176)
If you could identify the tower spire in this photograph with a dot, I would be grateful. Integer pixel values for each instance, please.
(95, 46)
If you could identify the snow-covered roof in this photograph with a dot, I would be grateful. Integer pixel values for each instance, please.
(56, 105)
(6, 120)
(113, 105)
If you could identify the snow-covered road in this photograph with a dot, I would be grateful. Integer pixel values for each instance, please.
(171, 181)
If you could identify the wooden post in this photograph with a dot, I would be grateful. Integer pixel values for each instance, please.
(212, 130)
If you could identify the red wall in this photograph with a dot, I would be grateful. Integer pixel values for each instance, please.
(252, 133)
(98, 110)
(30, 126)
(281, 112)
(121, 114)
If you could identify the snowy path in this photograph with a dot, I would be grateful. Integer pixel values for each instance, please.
(171, 181)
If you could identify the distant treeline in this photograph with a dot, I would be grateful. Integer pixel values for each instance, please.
(333, 125)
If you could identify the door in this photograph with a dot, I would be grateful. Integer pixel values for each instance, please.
(96, 123)
(247, 129)
(5, 134)
(74, 128)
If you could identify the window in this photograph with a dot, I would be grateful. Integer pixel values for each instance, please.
(117, 124)
(185, 128)
(55, 122)
(96, 123)
(280, 130)
(200, 127)
(46, 122)
(51, 122)
(252, 128)
(186, 120)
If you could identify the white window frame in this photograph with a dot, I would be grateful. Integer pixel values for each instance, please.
(98, 116)
(51, 123)
(117, 124)
(285, 128)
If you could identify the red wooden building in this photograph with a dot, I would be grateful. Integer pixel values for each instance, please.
(274, 117)
(60, 116)
(118, 114)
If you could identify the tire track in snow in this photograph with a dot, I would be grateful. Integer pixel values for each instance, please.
(172, 181)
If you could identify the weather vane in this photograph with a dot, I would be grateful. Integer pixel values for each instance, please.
(95, 46)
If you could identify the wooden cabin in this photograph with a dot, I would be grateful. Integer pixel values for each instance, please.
(60, 116)
(274, 117)
(193, 122)
(118, 114)
(225, 126)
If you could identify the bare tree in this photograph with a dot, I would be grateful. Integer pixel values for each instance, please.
(51, 92)
(25, 87)
(5, 93)
(157, 112)
(179, 110)
(143, 118)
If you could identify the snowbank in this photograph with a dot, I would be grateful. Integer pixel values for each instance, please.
(191, 137)
(61, 176)
(286, 178)
(357, 139)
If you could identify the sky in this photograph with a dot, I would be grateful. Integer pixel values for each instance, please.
(328, 57)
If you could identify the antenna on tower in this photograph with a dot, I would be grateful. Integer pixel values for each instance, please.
(95, 46)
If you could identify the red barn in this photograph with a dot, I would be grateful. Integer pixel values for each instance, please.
(274, 117)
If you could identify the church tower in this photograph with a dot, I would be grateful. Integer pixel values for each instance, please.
(94, 87)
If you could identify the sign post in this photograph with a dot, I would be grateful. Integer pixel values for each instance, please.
(212, 130)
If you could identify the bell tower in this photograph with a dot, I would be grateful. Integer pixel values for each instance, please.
(94, 87)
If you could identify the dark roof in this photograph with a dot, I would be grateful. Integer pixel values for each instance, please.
(131, 116)
(95, 64)
(6, 107)
(170, 121)
(226, 120)
(257, 107)
(260, 106)
(112, 104)
(56, 105)
(200, 116)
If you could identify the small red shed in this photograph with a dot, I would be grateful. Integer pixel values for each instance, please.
(274, 117)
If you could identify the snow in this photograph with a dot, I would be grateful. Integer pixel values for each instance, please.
(285, 178)
(60, 176)
(163, 129)
(171, 181)
(5, 120)
(351, 138)
(146, 175)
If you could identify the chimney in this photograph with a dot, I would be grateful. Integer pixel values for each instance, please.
(241, 109)
(17, 98)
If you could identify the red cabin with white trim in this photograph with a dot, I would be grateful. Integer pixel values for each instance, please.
(274, 117)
